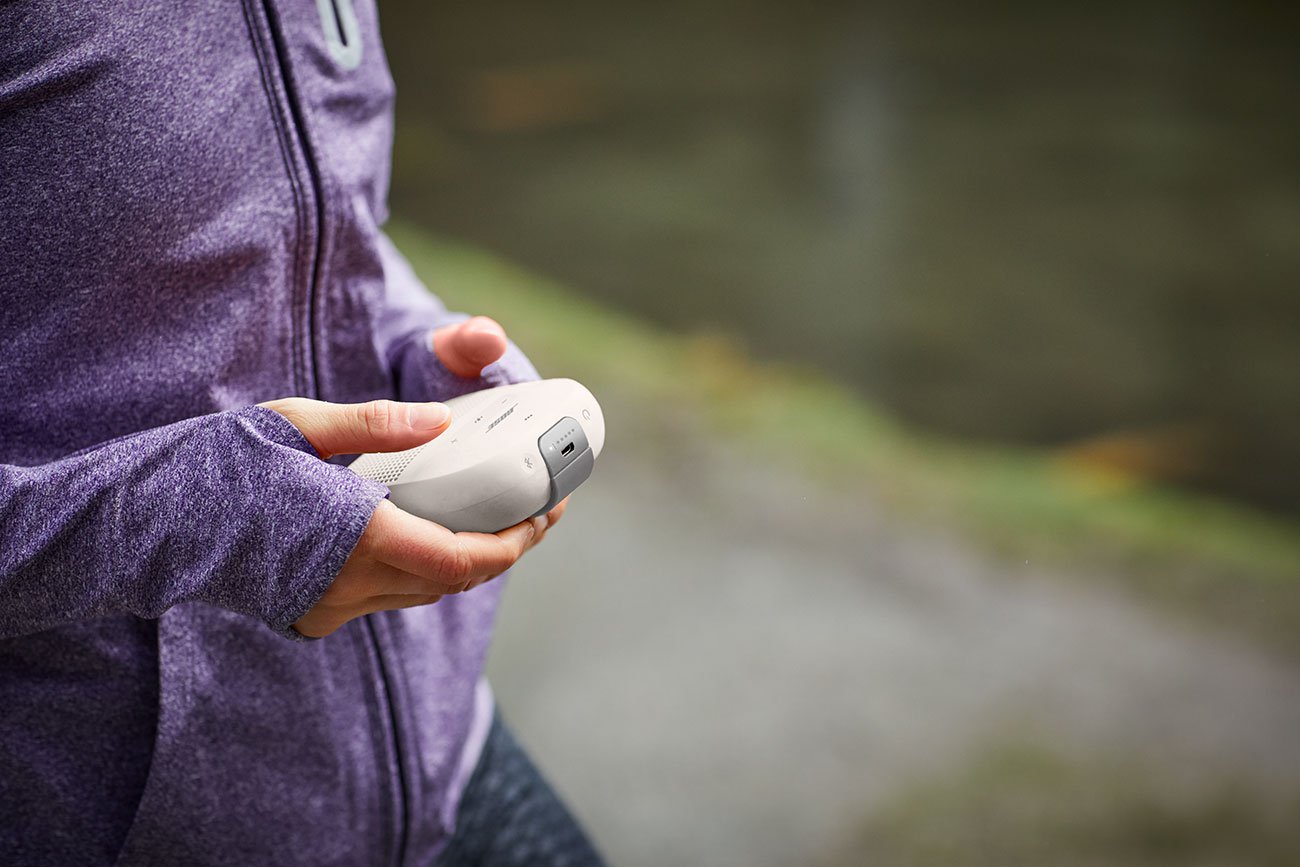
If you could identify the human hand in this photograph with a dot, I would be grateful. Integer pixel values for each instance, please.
(401, 561)
(467, 347)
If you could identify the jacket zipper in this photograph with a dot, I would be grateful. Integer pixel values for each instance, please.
(368, 624)
(311, 387)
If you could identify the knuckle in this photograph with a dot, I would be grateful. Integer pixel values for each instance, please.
(379, 417)
(454, 565)
(510, 554)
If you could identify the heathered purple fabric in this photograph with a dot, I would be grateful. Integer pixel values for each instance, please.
(190, 202)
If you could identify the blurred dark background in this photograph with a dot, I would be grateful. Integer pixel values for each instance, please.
(1028, 223)
(950, 514)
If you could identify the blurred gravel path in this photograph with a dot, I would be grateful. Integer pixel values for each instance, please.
(719, 665)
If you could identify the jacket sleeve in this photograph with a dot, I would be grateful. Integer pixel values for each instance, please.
(233, 509)
(405, 332)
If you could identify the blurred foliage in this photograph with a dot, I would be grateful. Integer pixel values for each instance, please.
(1026, 805)
(1032, 223)
(1224, 562)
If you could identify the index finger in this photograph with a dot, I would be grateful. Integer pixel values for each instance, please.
(468, 347)
(446, 559)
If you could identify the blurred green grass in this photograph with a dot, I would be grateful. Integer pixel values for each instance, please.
(1023, 804)
(1221, 562)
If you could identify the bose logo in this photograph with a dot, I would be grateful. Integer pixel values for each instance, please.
(500, 419)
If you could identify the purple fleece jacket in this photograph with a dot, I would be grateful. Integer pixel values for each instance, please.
(190, 201)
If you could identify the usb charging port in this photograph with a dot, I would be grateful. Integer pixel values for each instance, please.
(567, 450)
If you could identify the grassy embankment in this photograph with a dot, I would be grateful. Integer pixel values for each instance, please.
(1221, 562)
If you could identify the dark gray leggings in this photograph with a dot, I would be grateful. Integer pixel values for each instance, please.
(510, 817)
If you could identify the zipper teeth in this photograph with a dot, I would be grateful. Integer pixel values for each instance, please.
(318, 189)
(265, 62)
(373, 632)
(313, 172)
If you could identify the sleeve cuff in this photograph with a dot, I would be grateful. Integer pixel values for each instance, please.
(331, 508)
(421, 376)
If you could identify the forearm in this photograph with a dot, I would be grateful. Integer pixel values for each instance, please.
(232, 509)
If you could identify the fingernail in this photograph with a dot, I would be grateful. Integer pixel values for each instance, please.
(427, 416)
(541, 523)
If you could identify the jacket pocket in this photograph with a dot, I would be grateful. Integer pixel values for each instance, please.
(267, 749)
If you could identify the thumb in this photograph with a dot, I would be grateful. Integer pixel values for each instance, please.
(353, 428)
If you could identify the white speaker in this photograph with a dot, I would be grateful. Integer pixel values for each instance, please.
(510, 453)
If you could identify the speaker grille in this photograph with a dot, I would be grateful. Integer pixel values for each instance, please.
(385, 468)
